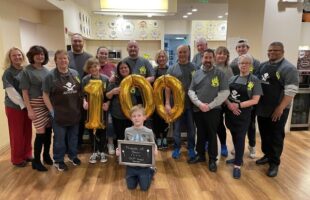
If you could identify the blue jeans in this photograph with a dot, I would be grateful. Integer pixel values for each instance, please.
(139, 175)
(186, 117)
(60, 133)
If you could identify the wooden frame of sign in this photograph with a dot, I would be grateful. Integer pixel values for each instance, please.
(136, 153)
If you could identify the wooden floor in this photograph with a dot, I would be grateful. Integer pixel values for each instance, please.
(174, 179)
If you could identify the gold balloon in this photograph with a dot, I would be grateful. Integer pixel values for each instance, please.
(178, 97)
(125, 96)
(94, 90)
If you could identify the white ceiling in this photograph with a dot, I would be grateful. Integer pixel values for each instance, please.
(206, 11)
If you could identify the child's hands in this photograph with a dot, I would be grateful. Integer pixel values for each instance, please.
(105, 106)
(117, 152)
(85, 104)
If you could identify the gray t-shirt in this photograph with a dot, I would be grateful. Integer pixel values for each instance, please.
(11, 78)
(197, 60)
(235, 68)
(254, 86)
(226, 69)
(77, 62)
(32, 79)
(184, 73)
(139, 134)
(140, 66)
(208, 84)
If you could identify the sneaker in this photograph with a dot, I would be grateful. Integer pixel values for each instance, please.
(252, 152)
(237, 173)
(224, 151)
(75, 161)
(159, 143)
(176, 153)
(61, 166)
(93, 158)
(165, 143)
(191, 154)
(111, 149)
(206, 146)
(103, 159)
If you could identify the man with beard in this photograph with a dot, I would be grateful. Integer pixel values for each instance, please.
(208, 90)
(138, 64)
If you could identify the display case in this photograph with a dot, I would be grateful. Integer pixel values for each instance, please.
(301, 110)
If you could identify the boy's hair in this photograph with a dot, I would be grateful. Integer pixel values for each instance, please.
(136, 108)
(89, 63)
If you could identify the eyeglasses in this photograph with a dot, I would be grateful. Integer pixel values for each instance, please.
(244, 63)
(276, 50)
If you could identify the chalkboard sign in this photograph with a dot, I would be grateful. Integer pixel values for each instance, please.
(136, 153)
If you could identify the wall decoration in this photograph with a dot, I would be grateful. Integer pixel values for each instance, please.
(128, 28)
(214, 30)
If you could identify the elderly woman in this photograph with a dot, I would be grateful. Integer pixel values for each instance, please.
(62, 96)
(20, 129)
(160, 127)
(245, 91)
(31, 85)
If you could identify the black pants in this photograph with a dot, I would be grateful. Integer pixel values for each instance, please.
(207, 124)
(82, 126)
(252, 129)
(98, 141)
(239, 142)
(221, 130)
(119, 126)
(272, 136)
(159, 126)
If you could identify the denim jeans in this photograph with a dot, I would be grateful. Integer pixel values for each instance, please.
(186, 117)
(60, 134)
(139, 175)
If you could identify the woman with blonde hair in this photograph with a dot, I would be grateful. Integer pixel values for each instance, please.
(19, 124)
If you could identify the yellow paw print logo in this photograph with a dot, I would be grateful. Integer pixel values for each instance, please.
(278, 75)
(250, 85)
(142, 70)
(251, 68)
(215, 82)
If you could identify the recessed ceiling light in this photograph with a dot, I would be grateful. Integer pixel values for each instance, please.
(185, 16)
(194, 9)
(189, 13)
(220, 17)
(149, 15)
(226, 13)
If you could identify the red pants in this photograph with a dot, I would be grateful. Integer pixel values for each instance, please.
(20, 129)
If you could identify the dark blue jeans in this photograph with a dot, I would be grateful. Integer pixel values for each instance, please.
(139, 175)
(186, 117)
(60, 133)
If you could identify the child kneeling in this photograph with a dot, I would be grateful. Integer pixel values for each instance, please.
(139, 133)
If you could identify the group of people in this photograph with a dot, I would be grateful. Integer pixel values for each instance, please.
(218, 93)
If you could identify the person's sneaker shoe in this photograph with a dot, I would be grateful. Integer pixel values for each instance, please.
(237, 173)
(273, 171)
(159, 143)
(252, 152)
(262, 161)
(224, 151)
(75, 161)
(195, 160)
(93, 158)
(164, 143)
(176, 153)
(111, 149)
(191, 154)
(206, 146)
(230, 161)
(212, 166)
(61, 166)
(103, 159)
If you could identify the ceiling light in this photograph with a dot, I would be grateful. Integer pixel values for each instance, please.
(194, 9)
(226, 13)
(179, 38)
(189, 13)
(185, 16)
(149, 15)
(220, 17)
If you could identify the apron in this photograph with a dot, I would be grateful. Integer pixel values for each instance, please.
(66, 99)
(273, 91)
(238, 94)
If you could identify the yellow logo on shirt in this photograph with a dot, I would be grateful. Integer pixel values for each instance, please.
(193, 73)
(278, 75)
(77, 79)
(142, 70)
(215, 82)
(251, 68)
(250, 85)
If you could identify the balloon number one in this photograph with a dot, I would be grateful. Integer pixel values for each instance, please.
(94, 90)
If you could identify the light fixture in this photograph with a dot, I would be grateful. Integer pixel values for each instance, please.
(185, 16)
(226, 13)
(149, 15)
(194, 10)
(220, 16)
(189, 13)
(179, 38)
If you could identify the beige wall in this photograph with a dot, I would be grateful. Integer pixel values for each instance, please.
(23, 26)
